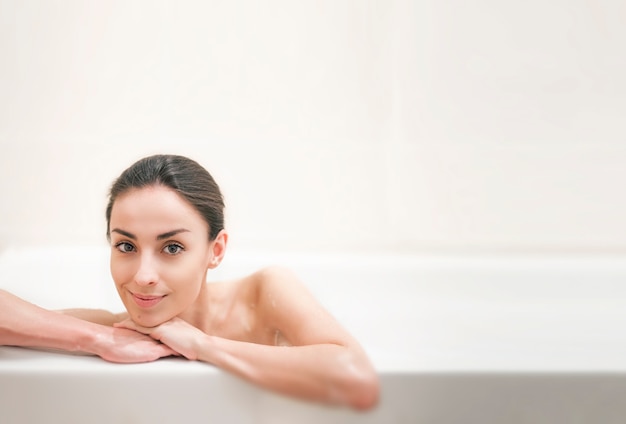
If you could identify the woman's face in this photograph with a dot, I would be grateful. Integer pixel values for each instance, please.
(160, 253)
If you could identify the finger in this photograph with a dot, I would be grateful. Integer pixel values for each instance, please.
(170, 351)
(154, 332)
(131, 325)
(127, 324)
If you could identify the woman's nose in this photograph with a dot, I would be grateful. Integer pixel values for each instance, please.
(147, 272)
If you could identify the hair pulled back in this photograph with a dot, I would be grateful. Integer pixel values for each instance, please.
(183, 175)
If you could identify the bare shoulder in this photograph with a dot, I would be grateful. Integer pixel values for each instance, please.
(276, 276)
(276, 283)
(256, 287)
(286, 304)
(254, 307)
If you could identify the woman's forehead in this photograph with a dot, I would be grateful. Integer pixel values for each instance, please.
(155, 207)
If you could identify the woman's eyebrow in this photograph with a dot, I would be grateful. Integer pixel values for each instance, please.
(159, 237)
(171, 233)
(124, 233)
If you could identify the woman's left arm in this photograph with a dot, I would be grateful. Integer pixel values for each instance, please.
(324, 362)
(324, 372)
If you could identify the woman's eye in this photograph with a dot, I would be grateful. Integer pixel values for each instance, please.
(173, 249)
(125, 247)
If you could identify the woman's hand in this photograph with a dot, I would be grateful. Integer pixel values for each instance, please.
(126, 346)
(176, 333)
(28, 325)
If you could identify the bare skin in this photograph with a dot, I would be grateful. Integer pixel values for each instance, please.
(27, 325)
(265, 328)
(268, 329)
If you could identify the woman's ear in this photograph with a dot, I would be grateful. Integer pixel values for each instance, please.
(218, 249)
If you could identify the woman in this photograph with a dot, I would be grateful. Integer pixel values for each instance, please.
(166, 227)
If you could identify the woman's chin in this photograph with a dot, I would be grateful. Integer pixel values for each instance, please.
(147, 320)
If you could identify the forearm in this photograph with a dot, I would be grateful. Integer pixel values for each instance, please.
(97, 316)
(325, 372)
(25, 324)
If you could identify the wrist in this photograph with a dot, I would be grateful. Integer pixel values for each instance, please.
(95, 339)
(207, 349)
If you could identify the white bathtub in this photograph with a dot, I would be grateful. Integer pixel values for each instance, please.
(456, 339)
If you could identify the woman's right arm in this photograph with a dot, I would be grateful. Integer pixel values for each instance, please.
(28, 325)
(97, 316)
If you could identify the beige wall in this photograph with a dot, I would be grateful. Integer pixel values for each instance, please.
(366, 125)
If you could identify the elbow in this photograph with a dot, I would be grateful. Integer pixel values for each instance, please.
(368, 396)
(364, 392)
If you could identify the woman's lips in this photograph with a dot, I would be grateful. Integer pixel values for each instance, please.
(146, 301)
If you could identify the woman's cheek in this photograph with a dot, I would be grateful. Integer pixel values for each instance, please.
(122, 271)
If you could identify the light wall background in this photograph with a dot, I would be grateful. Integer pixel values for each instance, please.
(354, 125)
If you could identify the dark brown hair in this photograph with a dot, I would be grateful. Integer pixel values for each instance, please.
(183, 175)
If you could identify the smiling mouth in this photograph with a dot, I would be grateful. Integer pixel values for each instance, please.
(146, 301)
